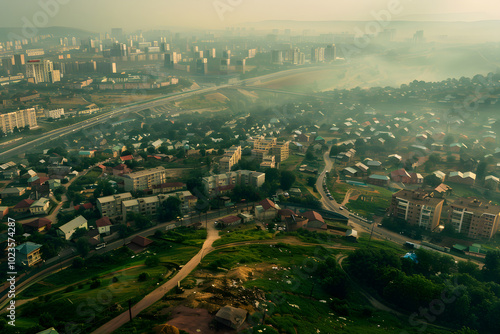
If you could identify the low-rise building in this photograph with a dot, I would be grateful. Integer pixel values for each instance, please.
(40, 206)
(28, 254)
(111, 206)
(103, 225)
(69, 228)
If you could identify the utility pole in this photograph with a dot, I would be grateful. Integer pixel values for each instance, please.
(371, 233)
(130, 308)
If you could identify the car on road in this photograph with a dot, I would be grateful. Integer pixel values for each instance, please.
(341, 208)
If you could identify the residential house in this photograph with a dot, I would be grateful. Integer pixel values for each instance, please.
(349, 171)
(23, 206)
(4, 210)
(266, 210)
(379, 180)
(467, 178)
(231, 317)
(69, 228)
(28, 254)
(40, 206)
(401, 175)
(139, 243)
(12, 192)
(228, 221)
(38, 225)
(315, 220)
(440, 175)
(103, 225)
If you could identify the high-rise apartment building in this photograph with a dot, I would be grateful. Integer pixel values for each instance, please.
(418, 208)
(231, 157)
(18, 119)
(474, 218)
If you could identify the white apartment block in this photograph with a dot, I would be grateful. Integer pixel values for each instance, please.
(56, 113)
(148, 206)
(239, 177)
(145, 179)
(18, 119)
(111, 206)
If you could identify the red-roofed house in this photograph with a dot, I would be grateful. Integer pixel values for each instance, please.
(229, 220)
(121, 169)
(38, 225)
(266, 209)
(316, 221)
(23, 206)
(127, 158)
(285, 213)
(104, 225)
(86, 206)
(138, 243)
(400, 175)
(224, 190)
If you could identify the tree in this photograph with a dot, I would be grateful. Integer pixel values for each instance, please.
(83, 246)
(309, 155)
(46, 320)
(169, 209)
(287, 179)
(481, 171)
(432, 180)
(448, 140)
(311, 181)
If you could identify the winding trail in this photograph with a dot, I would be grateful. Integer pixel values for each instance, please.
(157, 294)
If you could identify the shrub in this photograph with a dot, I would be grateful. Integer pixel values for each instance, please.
(95, 284)
(69, 288)
(143, 277)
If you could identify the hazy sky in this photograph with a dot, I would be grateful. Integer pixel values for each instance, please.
(100, 15)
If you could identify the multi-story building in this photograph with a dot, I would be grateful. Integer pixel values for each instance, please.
(111, 206)
(39, 70)
(144, 179)
(148, 206)
(418, 208)
(18, 119)
(231, 157)
(474, 218)
(317, 55)
(270, 146)
(56, 113)
(239, 177)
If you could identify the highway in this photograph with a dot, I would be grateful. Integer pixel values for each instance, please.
(139, 106)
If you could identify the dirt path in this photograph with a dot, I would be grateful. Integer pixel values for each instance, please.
(158, 293)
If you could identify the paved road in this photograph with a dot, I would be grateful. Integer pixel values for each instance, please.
(158, 293)
(139, 106)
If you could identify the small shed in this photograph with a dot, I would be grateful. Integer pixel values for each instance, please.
(232, 317)
(351, 235)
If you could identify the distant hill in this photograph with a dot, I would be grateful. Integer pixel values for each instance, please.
(56, 31)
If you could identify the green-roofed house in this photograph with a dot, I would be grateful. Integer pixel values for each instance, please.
(320, 139)
(379, 180)
(28, 254)
(86, 154)
(460, 248)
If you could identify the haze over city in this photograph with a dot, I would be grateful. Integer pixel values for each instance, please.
(252, 167)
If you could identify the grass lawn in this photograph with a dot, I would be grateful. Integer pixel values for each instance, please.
(292, 162)
(247, 233)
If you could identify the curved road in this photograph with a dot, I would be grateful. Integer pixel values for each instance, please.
(157, 294)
